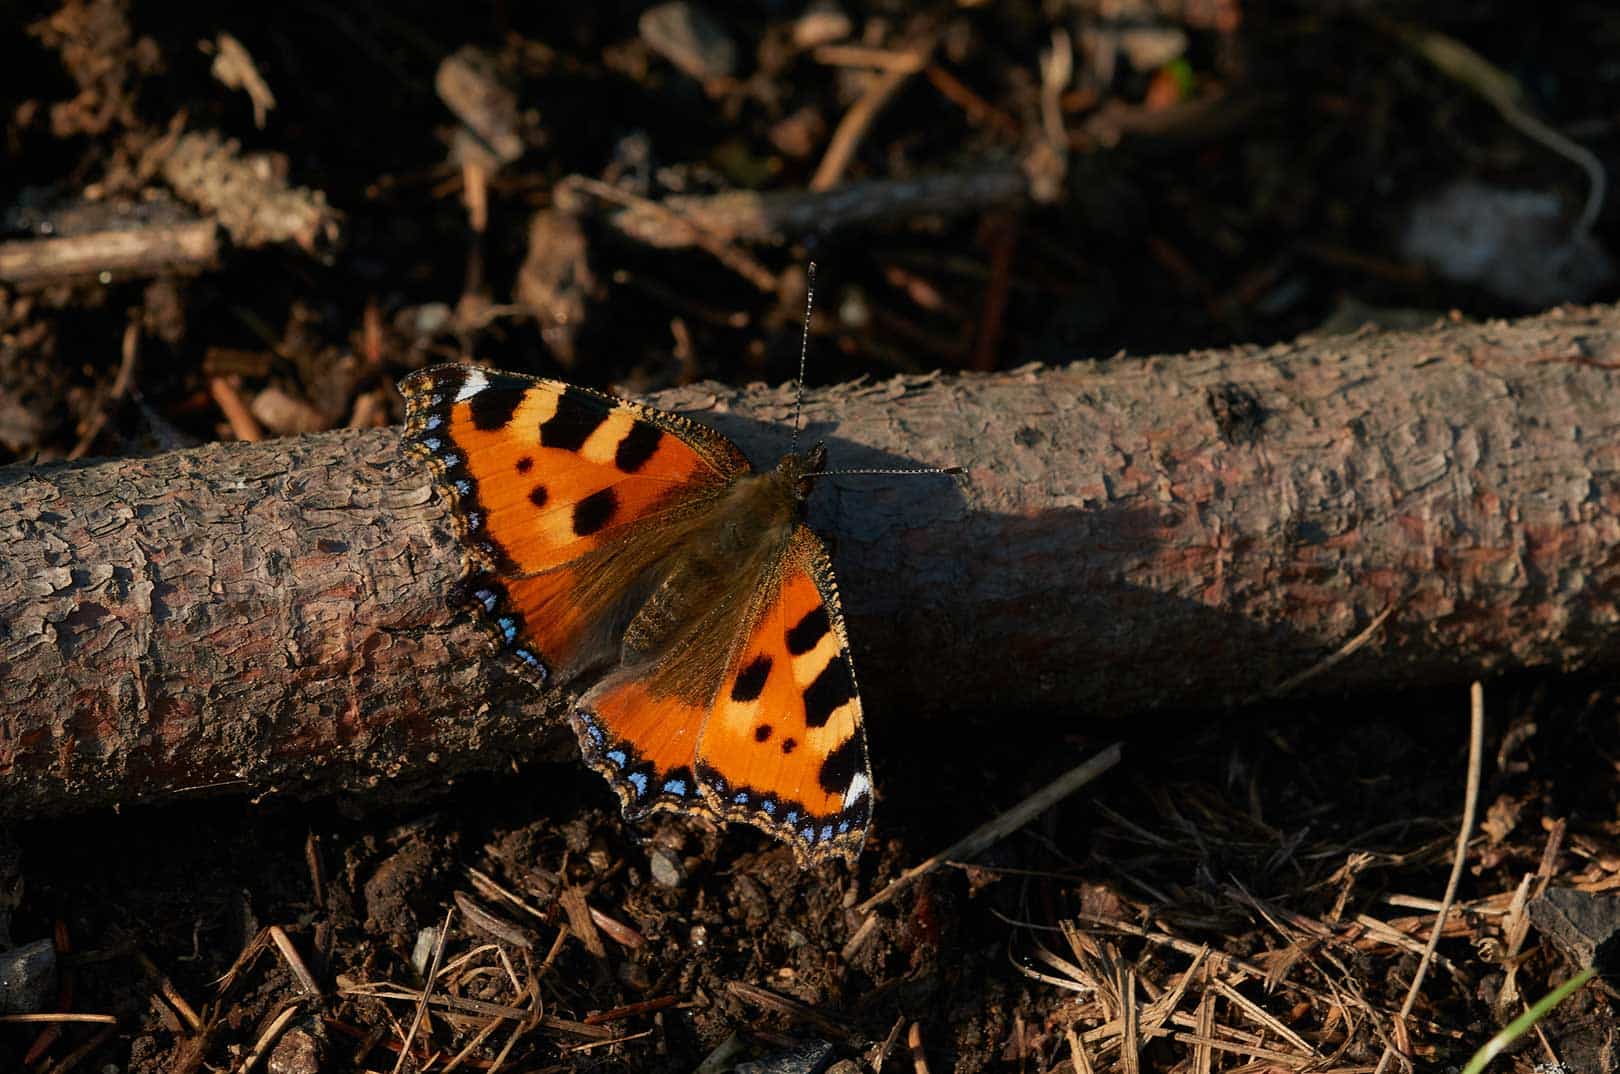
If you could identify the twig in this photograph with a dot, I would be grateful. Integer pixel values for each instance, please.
(241, 420)
(255, 207)
(694, 234)
(919, 1058)
(1000, 232)
(166, 987)
(1130, 1036)
(386, 990)
(1476, 752)
(589, 1045)
(581, 922)
(83, 1051)
(294, 960)
(852, 128)
(646, 1006)
(884, 59)
(1458, 61)
(853, 945)
(792, 1008)
(427, 990)
(878, 1054)
(1203, 1054)
(268, 1037)
(475, 916)
(187, 248)
(998, 828)
(751, 216)
(126, 369)
(977, 108)
(1331, 661)
(1077, 1053)
(479, 1038)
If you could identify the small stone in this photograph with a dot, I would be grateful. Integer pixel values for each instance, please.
(284, 414)
(822, 23)
(431, 318)
(470, 85)
(1149, 48)
(666, 868)
(1517, 244)
(809, 1058)
(800, 134)
(422, 953)
(27, 977)
(690, 38)
(1584, 925)
(555, 283)
(297, 1052)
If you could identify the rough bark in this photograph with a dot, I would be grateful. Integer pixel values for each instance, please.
(1132, 534)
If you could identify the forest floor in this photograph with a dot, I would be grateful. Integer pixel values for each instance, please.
(314, 205)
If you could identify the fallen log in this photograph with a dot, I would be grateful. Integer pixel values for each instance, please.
(1132, 534)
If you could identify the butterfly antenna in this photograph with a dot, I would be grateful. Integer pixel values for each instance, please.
(892, 471)
(804, 351)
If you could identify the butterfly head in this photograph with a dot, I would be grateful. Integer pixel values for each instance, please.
(798, 469)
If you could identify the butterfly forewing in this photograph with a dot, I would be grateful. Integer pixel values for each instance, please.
(560, 493)
(545, 472)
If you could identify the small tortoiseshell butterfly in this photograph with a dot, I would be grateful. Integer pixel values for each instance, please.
(604, 536)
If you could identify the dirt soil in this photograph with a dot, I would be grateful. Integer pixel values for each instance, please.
(329, 198)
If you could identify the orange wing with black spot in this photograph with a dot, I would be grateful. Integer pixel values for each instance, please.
(783, 746)
(574, 508)
(544, 472)
(559, 494)
(775, 740)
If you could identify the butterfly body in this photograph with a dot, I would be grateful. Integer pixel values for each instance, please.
(608, 540)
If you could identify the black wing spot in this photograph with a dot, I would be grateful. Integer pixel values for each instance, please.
(594, 512)
(493, 408)
(859, 813)
(448, 381)
(762, 733)
(809, 631)
(638, 445)
(525, 464)
(538, 495)
(839, 769)
(789, 745)
(575, 419)
(831, 689)
(751, 680)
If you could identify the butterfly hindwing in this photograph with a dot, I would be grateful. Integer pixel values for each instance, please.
(783, 747)
(643, 743)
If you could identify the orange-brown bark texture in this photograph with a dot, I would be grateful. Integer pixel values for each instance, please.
(1130, 534)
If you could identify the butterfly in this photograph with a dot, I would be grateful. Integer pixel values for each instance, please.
(606, 538)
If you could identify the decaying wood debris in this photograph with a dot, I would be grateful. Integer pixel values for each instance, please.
(1132, 534)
